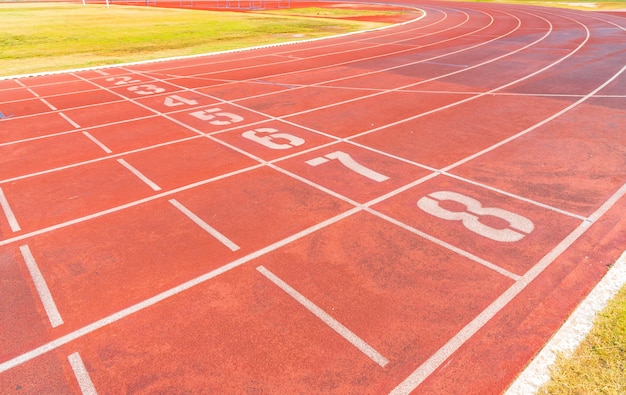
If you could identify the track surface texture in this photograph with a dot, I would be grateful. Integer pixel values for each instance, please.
(413, 209)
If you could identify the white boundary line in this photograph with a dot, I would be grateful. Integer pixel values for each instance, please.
(335, 325)
(448, 246)
(139, 175)
(42, 288)
(206, 227)
(572, 333)
(97, 142)
(68, 119)
(82, 375)
(4, 203)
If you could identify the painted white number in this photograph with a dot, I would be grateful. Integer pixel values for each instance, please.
(175, 100)
(518, 226)
(211, 114)
(347, 161)
(146, 89)
(123, 80)
(271, 135)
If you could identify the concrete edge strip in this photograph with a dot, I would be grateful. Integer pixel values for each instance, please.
(109, 66)
(572, 332)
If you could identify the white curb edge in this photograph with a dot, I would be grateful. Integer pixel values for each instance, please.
(573, 331)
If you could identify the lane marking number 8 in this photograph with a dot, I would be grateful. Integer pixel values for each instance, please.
(518, 226)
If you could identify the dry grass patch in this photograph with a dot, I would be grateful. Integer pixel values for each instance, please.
(598, 366)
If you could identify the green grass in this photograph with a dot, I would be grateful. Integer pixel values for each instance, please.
(598, 366)
(54, 36)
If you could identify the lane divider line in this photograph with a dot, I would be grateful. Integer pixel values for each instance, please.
(98, 142)
(446, 245)
(326, 318)
(208, 228)
(8, 213)
(82, 375)
(68, 119)
(47, 103)
(37, 95)
(139, 175)
(42, 288)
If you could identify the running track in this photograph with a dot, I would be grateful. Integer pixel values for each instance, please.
(410, 209)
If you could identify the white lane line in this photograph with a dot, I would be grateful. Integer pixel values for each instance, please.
(38, 96)
(412, 381)
(208, 228)
(518, 197)
(537, 125)
(65, 339)
(139, 175)
(384, 91)
(82, 375)
(125, 206)
(572, 333)
(42, 287)
(53, 108)
(326, 318)
(451, 105)
(447, 246)
(98, 142)
(68, 119)
(8, 213)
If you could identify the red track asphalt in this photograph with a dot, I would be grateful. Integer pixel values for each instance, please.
(410, 209)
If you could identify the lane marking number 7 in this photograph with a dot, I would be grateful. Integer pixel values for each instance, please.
(346, 160)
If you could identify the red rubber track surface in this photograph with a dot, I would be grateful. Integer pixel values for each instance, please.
(413, 209)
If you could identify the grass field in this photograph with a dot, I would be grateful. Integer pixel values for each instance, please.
(54, 36)
(598, 366)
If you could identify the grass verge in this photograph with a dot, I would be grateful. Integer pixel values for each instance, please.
(38, 37)
(598, 364)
